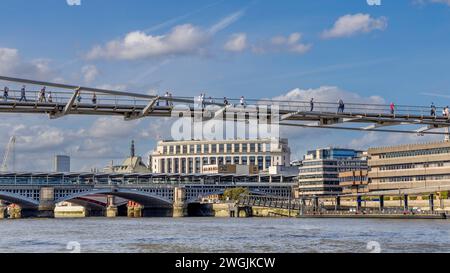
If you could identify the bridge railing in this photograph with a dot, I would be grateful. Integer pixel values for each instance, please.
(61, 96)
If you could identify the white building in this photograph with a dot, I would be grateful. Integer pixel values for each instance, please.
(188, 157)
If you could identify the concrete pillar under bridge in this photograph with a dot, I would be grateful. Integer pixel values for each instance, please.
(3, 210)
(134, 210)
(46, 207)
(179, 202)
(111, 208)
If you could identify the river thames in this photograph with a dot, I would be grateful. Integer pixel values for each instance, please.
(223, 235)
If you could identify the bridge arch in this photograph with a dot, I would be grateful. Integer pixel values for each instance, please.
(141, 197)
(18, 199)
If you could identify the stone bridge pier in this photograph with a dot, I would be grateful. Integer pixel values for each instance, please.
(46, 208)
(111, 207)
(179, 202)
(3, 210)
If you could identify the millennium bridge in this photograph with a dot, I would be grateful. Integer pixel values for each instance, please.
(77, 100)
(37, 194)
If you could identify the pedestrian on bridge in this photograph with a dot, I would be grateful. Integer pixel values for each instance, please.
(242, 101)
(79, 97)
(170, 101)
(167, 98)
(94, 98)
(392, 107)
(225, 101)
(446, 112)
(5, 93)
(23, 94)
(202, 100)
(311, 103)
(50, 98)
(42, 95)
(341, 106)
(433, 110)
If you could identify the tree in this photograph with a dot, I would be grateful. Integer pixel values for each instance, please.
(234, 193)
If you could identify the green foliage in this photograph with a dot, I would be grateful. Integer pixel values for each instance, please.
(234, 194)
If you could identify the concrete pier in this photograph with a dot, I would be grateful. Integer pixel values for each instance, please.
(14, 212)
(179, 204)
(134, 210)
(111, 209)
(3, 210)
(46, 207)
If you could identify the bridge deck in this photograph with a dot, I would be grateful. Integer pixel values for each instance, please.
(75, 100)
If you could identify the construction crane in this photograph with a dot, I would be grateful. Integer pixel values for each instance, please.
(8, 153)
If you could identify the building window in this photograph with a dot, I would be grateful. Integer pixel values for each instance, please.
(252, 147)
(268, 162)
(197, 149)
(213, 160)
(221, 148)
(244, 160)
(206, 148)
(228, 160)
(236, 160)
(244, 148)
(229, 148)
(236, 148)
(252, 160)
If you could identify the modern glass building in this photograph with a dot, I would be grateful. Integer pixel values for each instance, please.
(319, 172)
(62, 164)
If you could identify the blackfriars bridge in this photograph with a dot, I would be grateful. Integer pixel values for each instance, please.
(38, 193)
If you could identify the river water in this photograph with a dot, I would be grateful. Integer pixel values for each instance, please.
(223, 235)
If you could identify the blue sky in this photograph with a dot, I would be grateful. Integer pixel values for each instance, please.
(397, 52)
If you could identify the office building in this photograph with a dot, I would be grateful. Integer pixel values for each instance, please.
(353, 182)
(62, 164)
(319, 172)
(189, 157)
(409, 166)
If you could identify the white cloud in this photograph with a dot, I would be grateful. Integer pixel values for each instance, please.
(236, 43)
(112, 127)
(182, 39)
(292, 43)
(11, 64)
(328, 94)
(352, 24)
(90, 73)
